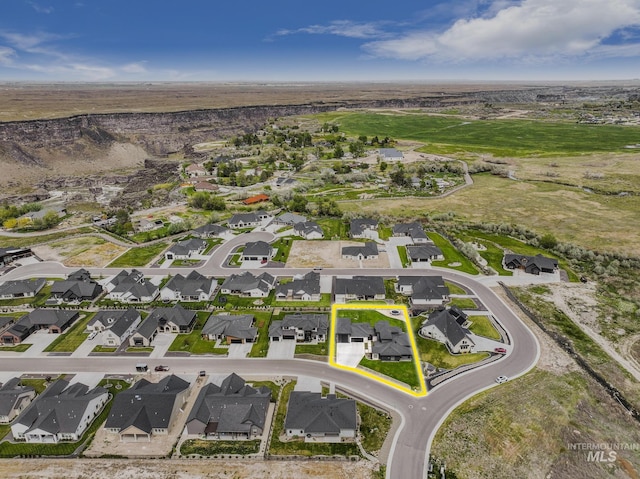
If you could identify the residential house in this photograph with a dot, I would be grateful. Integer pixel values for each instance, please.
(194, 170)
(531, 264)
(424, 253)
(392, 343)
(186, 249)
(175, 319)
(76, 288)
(143, 224)
(358, 288)
(193, 287)
(131, 287)
(62, 412)
(255, 199)
(248, 285)
(414, 230)
(144, 335)
(211, 231)
(308, 230)
(257, 251)
(350, 332)
(424, 290)
(147, 409)
(115, 325)
(290, 219)
(230, 328)
(363, 228)
(312, 416)
(390, 154)
(60, 211)
(302, 288)
(248, 220)
(21, 288)
(368, 250)
(233, 410)
(55, 320)
(14, 398)
(205, 186)
(448, 326)
(303, 328)
(12, 253)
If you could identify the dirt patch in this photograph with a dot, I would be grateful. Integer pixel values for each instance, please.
(327, 254)
(181, 469)
(85, 251)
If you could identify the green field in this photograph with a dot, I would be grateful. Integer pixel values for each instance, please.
(519, 138)
(140, 256)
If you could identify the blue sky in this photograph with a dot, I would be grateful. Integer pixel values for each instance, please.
(286, 40)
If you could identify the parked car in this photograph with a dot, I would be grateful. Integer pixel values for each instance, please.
(162, 368)
(502, 379)
(92, 335)
(500, 350)
(202, 374)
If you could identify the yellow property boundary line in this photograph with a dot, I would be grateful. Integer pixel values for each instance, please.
(378, 377)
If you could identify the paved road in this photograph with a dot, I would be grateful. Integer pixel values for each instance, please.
(421, 417)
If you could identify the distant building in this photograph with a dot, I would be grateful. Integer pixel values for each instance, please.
(255, 199)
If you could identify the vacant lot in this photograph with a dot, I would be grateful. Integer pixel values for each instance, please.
(327, 254)
(85, 251)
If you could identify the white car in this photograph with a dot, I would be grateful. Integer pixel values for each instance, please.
(502, 379)
(92, 335)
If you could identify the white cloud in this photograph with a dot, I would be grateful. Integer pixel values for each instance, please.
(137, 67)
(342, 28)
(40, 8)
(6, 55)
(532, 28)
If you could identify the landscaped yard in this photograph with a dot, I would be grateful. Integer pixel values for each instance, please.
(334, 228)
(233, 301)
(481, 325)
(215, 447)
(37, 300)
(319, 349)
(325, 301)
(463, 303)
(18, 348)
(74, 337)
(261, 346)
(374, 427)
(138, 256)
(404, 258)
(454, 288)
(193, 342)
(403, 371)
(451, 255)
(438, 355)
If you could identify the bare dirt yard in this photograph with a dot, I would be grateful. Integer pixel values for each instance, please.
(181, 469)
(83, 251)
(326, 254)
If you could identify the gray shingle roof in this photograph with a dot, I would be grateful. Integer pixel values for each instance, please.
(146, 405)
(22, 286)
(360, 285)
(306, 228)
(190, 285)
(358, 225)
(118, 320)
(314, 414)
(291, 218)
(10, 391)
(309, 283)
(247, 282)
(367, 249)
(257, 248)
(448, 324)
(183, 248)
(175, 314)
(425, 287)
(234, 325)
(210, 230)
(426, 251)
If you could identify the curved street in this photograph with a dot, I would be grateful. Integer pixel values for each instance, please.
(421, 417)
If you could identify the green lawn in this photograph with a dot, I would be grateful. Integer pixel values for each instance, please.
(404, 258)
(104, 349)
(233, 301)
(454, 288)
(275, 388)
(261, 346)
(481, 325)
(437, 354)
(451, 255)
(463, 303)
(319, 349)
(493, 254)
(374, 427)
(334, 228)
(138, 256)
(73, 338)
(283, 245)
(325, 301)
(18, 348)
(193, 342)
(370, 316)
(39, 384)
(518, 138)
(403, 371)
(385, 232)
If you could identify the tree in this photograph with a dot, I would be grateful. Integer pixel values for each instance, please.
(338, 152)
(548, 241)
(383, 165)
(298, 203)
(356, 149)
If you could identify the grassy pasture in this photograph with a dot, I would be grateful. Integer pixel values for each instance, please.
(503, 138)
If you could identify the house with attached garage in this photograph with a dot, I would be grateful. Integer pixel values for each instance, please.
(390, 154)
(303, 328)
(423, 290)
(186, 249)
(314, 417)
(62, 412)
(76, 288)
(248, 285)
(449, 326)
(14, 398)
(21, 288)
(248, 220)
(413, 230)
(147, 409)
(193, 287)
(531, 264)
(308, 230)
(230, 328)
(234, 410)
(363, 227)
(290, 219)
(54, 320)
(358, 288)
(368, 250)
(131, 287)
(424, 253)
(212, 231)
(257, 251)
(12, 253)
(302, 288)
(114, 325)
(350, 332)
(173, 320)
(392, 344)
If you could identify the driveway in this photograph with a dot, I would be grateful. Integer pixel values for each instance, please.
(308, 383)
(349, 354)
(39, 341)
(239, 351)
(281, 349)
(85, 348)
(392, 250)
(161, 344)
